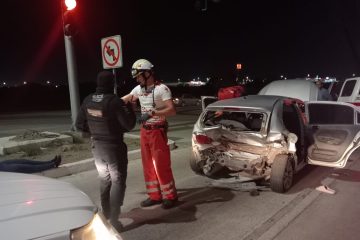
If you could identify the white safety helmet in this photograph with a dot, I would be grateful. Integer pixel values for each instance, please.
(140, 66)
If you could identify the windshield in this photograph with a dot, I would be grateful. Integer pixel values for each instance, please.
(234, 120)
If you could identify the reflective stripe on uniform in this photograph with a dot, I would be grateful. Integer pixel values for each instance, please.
(164, 193)
(169, 185)
(152, 183)
(151, 190)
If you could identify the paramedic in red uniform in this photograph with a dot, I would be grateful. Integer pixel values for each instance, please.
(156, 104)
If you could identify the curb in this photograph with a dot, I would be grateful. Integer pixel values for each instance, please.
(88, 164)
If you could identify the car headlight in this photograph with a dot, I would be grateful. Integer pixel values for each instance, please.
(98, 228)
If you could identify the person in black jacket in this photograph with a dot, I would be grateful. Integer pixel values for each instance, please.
(106, 117)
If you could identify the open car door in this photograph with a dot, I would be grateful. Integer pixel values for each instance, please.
(333, 132)
(206, 100)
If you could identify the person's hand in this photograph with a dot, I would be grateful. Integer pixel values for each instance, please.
(144, 117)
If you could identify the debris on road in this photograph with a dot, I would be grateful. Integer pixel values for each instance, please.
(325, 189)
(238, 184)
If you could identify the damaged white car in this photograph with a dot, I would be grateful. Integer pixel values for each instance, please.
(272, 137)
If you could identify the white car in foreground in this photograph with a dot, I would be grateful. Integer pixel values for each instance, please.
(36, 207)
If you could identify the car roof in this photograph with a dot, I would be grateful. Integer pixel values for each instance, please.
(294, 88)
(264, 102)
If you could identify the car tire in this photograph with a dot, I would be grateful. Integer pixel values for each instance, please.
(282, 174)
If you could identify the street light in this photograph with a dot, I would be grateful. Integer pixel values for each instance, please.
(69, 32)
(70, 4)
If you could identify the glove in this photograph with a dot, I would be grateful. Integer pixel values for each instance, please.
(143, 118)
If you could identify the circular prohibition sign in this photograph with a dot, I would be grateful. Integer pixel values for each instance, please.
(113, 54)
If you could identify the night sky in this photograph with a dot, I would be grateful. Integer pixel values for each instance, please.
(269, 38)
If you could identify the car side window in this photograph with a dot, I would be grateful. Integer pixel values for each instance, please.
(348, 88)
(330, 114)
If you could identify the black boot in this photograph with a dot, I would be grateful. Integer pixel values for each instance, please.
(149, 202)
(169, 203)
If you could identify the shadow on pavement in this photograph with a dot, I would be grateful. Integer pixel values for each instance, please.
(184, 211)
(346, 175)
(309, 177)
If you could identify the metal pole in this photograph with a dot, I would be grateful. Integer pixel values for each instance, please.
(71, 70)
(115, 81)
(72, 79)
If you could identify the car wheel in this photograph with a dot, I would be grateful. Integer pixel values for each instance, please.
(282, 173)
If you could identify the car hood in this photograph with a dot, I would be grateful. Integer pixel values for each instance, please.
(32, 206)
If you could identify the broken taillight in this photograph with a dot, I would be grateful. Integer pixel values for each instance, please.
(203, 139)
(356, 103)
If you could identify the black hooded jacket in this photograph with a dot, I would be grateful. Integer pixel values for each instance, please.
(105, 116)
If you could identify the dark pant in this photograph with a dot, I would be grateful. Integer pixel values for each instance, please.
(25, 165)
(111, 163)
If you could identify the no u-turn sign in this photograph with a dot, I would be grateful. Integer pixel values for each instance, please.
(111, 52)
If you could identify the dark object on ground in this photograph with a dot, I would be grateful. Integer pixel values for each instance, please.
(29, 166)
(254, 192)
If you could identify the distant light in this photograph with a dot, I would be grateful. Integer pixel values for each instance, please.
(281, 76)
(48, 82)
(327, 78)
(25, 82)
(353, 74)
(70, 4)
(308, 75)
(4, 83)
(285, 78)
(247, 77)
(56, 86)
(29, 202)
(238, 66)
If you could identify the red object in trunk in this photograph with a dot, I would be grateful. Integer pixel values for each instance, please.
(230, 92)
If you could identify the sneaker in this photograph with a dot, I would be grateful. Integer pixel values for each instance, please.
(169, 203)
(149, 202)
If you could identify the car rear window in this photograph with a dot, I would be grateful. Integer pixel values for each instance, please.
(330, 114)
(234, 120)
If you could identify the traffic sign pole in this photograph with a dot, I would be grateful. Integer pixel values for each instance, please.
(115, 82)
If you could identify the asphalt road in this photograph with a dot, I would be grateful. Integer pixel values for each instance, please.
(208, 212)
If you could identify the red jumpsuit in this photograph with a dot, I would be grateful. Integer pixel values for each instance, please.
(155, 152)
